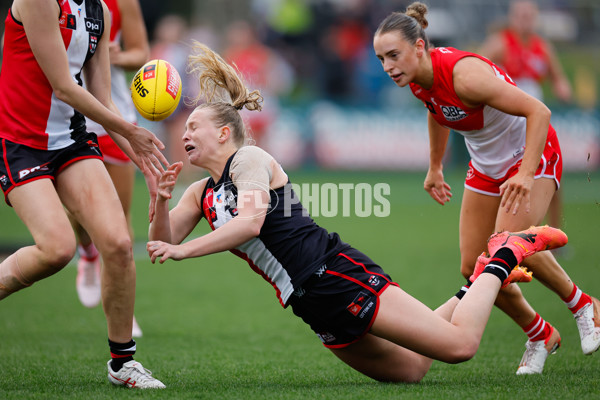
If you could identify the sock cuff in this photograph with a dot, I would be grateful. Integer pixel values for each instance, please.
(122, 348)
(498, 270)
(533, 324)
(573, 294)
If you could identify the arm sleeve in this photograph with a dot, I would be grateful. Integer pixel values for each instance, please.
(251, 169)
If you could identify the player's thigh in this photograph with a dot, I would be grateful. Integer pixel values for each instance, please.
(541, 195)
(406, 321)
(87, 191)
(39, 207)
(123, 177)
(383, 360)
(477, 220)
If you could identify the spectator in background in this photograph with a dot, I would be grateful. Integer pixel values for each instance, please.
(261, 67)
(168, 44)
(529, 60)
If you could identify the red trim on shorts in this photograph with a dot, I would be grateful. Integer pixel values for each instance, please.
(35, 178)
(550, 166)
(378, 294)
(62, 167)
(342, 345)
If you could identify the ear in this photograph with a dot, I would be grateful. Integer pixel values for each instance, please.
(420, 47)
(224, 133)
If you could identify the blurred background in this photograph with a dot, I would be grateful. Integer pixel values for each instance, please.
(328, 103)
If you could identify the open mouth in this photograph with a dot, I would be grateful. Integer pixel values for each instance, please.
(189, 147)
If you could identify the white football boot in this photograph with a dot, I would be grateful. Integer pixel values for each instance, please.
(588, 323)
(536, 353)
(133, 375)
(88, 281)
(136, 331)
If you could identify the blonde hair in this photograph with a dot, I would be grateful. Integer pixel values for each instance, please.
(222, 90)
(411, 24)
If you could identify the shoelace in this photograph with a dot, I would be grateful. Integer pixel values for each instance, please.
(139, 373)
(529, 353)
(585, 325)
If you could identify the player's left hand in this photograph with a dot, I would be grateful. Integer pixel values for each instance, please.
(516, 192)
(157, 248)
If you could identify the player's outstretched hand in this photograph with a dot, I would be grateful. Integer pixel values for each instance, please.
(168, 179)
(164, 251)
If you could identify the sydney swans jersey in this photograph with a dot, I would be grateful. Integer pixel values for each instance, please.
(290, 247)
(495, 140)
(30, 113)
(527, 63)
(119, 87)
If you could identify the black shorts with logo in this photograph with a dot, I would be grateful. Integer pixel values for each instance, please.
(340, 301)
(20, 164)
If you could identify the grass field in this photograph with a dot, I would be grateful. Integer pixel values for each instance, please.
(214, 330)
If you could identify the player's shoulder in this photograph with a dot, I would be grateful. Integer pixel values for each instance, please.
(197, 188)
(251, 154)
(252, 151)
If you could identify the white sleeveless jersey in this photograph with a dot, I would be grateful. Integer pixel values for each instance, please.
(30, 113)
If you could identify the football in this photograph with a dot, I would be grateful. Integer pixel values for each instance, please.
(156, 90)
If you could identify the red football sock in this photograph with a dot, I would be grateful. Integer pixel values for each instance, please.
(577, 299)
(538, 329)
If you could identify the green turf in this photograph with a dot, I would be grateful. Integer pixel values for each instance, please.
(213, 329)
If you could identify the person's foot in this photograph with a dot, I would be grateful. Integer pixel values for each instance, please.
(88, 281)
(518, 274)
(588, 323)
(136, 331)
(528, 242)
(536, 353)
(133, 375)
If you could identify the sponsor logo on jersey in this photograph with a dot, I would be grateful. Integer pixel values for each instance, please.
(3, 180)
(453, 113)
(24, 172)
(67, 21)
(149, 72)
(93, 25)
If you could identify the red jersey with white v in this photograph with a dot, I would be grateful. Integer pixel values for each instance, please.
(495, 140)
(525, 60)
(30, 113)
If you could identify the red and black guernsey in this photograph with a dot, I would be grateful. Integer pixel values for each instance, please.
(290, 246)
(30, 113)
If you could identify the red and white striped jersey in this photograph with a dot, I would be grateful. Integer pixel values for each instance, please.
(119, 86)
(30, 113)
(495, 140)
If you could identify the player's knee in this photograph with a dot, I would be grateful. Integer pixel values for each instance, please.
(58, 254)
(118, 249)
(466, 269)
(463, 352)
